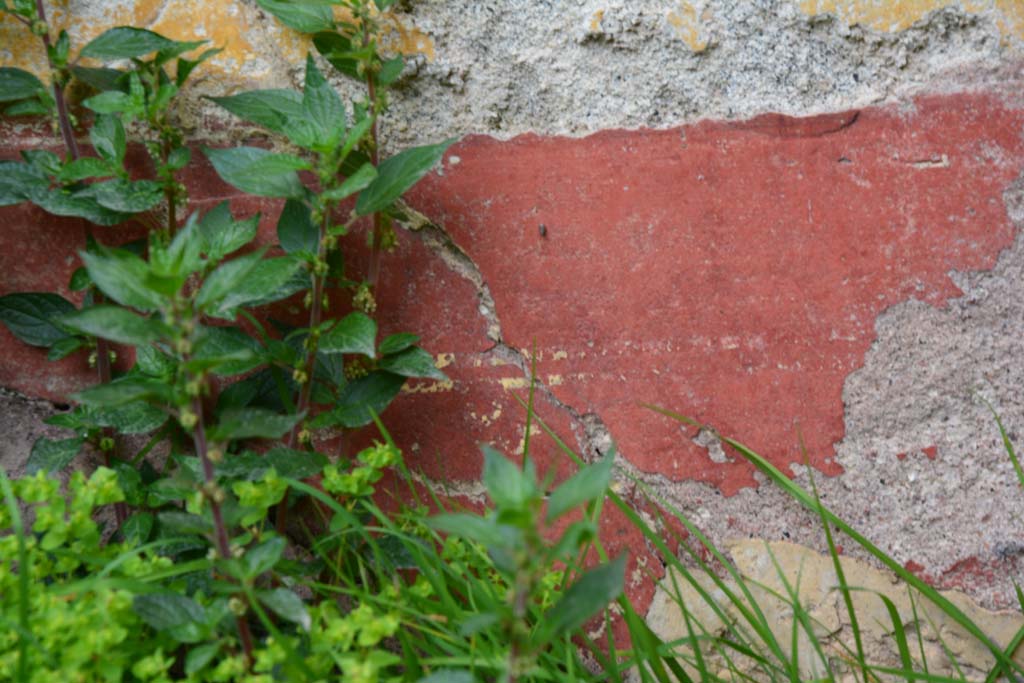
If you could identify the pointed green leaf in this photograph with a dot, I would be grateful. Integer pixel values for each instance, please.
(133, 418)
(81, 204)
(21, 182)
(506, 483)
(323, 108)
(398, 174)
(100, 78)
(259, 172)
(301, 17)
(227, 278)
(32, 316)
(361, 399)
(356, 182)
(295, 229)
(585, 598)
(17, 84)
(163, 611)
(122, 276)
(116, 324)
(52, 455)
(269, 280)
(124, 42)
(86, 167)
(355, 333)
(240, 352)
(397, 342)
(391, 70)
(187, 66)
(587, 485)
(125, 196)
(123, 391)
(137, 528)
(252, 423)
(287, 605)
(412, 362)
(222, 234)
(62, 348)
(262, 557)
(109, 139)
(201, 655)
(271, 109)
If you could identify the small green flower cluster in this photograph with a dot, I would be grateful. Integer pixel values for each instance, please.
(358, 482)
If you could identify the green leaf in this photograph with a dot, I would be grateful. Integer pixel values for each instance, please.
(337, 50)
(86, 167)
(397, 342)
(241, 352)
(287, 462)
(44, 160)
(111, 102)
(295, 229)
(151, 361)
(17, 84)
(137, 528)
(109, 139)
(252, 423)
(82, 204)
(21, 182)
(125, 196)
(124, 42)
(36, 107)
(199, 656)
(187, 66)
(470, 527)
(271, 109)
(116, 324)
(587, 485)
(398, 174)
(79, 280)
(301, 17)
(412, 362)
(391, 70)
(163, 611)
(507, 484)
(52, 455)
(269, 280)
(133, 418)
(122, 391)
(32, 316)
(100, 78)
(259, 172)
(361, 399)
(222, 234)
(183, 522)
(287, 605)
(323, 108)
(382, 5)
(585, 598)
(355, 333)
(262, 557)
(227, 278)
(62, 348)
(123, 277)
(356, 182)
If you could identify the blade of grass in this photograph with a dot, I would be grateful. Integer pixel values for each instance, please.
(1007, 665)
(23, 575)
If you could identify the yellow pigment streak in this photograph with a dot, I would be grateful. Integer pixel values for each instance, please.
(898, 15)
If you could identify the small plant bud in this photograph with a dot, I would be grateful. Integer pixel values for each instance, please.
(237, 607)
(325, 303)
(112, 355)
(193, 387)
(300, 376)
(92, 359)
(307, 301)
(320, 268)
(188, 419)
(237, 551)
(183, 347)
(106, 444)
(215, 455)
(40, 28)
(330, 242)
(363, 299)
(305, 437)
(212, 554)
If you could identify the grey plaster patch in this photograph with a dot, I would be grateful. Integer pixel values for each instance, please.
(21, 423)
(505, 67)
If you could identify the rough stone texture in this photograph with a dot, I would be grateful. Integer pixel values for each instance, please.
(772, 570)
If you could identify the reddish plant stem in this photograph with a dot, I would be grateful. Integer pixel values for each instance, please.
(306, 391)
(67, 133)
(220, 530)
(373, 271)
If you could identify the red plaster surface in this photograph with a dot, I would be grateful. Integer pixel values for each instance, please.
(729, 271)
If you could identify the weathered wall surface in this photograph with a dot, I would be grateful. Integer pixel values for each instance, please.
(784, 218)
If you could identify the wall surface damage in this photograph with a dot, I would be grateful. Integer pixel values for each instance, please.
(796, 221)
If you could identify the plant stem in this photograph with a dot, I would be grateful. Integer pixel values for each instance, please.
(220, 530)
(103, 367)
(373, 271)
(312, 343)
